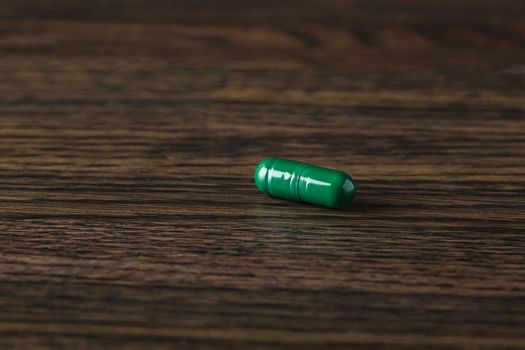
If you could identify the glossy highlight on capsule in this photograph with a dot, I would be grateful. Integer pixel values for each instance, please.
(303, 182)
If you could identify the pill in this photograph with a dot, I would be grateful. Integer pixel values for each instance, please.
(302, 182)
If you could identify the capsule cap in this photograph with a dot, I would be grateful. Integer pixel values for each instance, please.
(261, 174)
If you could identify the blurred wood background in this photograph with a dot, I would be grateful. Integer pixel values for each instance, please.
(129, 132)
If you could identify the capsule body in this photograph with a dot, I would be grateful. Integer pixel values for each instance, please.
(302, 182)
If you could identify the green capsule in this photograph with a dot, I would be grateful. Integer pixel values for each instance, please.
(302, 182)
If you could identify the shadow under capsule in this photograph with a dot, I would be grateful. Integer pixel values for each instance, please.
(363, 203)
(282, 216)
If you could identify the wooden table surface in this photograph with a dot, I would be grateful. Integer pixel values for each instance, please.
(130, 130)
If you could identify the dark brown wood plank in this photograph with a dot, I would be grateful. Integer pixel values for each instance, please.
(129, 131)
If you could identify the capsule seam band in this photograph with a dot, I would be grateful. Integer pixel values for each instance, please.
(299, 177)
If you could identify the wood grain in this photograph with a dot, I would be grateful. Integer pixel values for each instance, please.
(129, 132)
